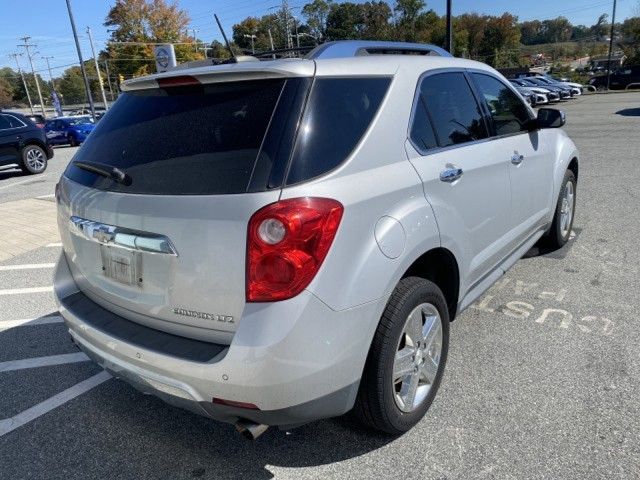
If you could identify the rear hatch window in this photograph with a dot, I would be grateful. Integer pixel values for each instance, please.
(190, 140)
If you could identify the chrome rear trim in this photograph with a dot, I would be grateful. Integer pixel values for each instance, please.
(122, 237)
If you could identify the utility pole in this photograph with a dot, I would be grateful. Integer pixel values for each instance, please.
(449, 37)
(24, 82)
(95, 61)
(252, 37)
(106, 69)
(26, 46)
(84, 72)
(271, 42)
(46, 59)
(195, 40)
(613, 26)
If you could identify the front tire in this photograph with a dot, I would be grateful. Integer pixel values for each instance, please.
(72, 141)
(407, 358)
(34, 159)
(562, 224)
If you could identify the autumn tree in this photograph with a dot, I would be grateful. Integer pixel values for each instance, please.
(138, 24)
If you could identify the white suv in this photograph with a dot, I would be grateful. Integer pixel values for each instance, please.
(274, 242)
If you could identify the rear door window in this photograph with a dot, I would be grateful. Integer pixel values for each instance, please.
(509, 113)
(196, 139)
(453, 109)
(337, 115)
(422, 134)
(4, 123)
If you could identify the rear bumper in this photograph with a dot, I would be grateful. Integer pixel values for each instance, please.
(296, 360)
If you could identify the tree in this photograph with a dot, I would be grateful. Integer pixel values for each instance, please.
(140, 23)
(6, 92)
(376, 19)
(531, 32)
(630, 30)
(501, 43)
(71, 86)
(345, 21)
(556, 30)
(407, 12)
(316, 14)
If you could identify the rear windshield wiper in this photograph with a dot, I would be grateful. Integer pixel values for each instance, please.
(108, 171)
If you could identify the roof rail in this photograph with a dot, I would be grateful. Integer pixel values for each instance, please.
(355, 48)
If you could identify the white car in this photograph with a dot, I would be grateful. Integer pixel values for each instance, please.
(275, 242)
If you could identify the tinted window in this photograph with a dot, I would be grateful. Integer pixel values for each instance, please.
(422, 133)
(338, 113)
(14, 122)
(201, 139)
(509, 113)
(4, 123)
(455, 114)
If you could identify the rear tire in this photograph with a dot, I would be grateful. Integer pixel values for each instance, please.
(402, 374)
(34, 159)
(562, 224)
(72, 141)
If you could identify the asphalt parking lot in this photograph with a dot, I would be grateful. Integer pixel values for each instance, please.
(542, 381)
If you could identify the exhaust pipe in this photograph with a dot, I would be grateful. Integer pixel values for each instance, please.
(250, 430)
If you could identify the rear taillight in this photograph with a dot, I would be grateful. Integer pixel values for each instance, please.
(287, 242)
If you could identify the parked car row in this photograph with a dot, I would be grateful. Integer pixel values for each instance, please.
(539, 89)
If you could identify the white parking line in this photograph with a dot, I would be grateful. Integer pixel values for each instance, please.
(57, 244)
(27, 266)
(42, 361)
(18, 291)
(15, 183)
(26, 416)
(8, 324)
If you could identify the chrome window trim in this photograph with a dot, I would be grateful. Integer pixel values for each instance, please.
(416, 98)
(131, 240)
(12, 128)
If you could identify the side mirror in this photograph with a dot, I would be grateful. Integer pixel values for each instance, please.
(550, 118)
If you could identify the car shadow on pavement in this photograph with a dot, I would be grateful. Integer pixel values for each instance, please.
(209, 449)
(629, 112)
(15, 172)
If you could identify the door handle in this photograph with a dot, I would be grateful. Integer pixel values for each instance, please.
(451, 174)
(517, 158)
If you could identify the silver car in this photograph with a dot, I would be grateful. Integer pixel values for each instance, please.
(275, 242)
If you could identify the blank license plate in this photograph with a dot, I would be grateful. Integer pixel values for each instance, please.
(121, 265)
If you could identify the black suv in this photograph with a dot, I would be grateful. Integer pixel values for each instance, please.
(22, 143)
(620, 79)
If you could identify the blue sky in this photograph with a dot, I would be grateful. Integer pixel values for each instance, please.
(49, 25)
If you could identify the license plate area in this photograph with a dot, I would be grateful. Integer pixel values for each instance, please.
(121, 265)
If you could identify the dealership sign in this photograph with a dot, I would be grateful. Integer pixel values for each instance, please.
(165, 57)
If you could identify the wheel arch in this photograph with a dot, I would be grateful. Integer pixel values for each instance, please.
(439, 265)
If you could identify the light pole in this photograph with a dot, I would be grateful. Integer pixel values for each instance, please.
(95, 61)
(84, 72)
(24, 82)
(46, 59)
(613, 24)
(252, 37)
(26, 46)
(195, 40)
(106, 69)
(449, 38)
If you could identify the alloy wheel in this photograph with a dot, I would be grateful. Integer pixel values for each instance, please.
(35, 159)
(417, 357)
(566, 210)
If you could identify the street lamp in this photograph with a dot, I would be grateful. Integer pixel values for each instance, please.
(252, 37)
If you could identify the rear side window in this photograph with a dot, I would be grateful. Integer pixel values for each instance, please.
(338, 113)
(422, 133)
(194, 140)
(454, 111)
(4, 123)
(509, 113)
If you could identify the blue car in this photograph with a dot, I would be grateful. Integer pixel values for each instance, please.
(68, 130)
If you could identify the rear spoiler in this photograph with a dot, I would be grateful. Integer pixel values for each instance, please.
(229, 72)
